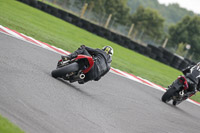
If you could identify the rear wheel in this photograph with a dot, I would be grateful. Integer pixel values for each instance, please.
(60, 72)
(168, 95)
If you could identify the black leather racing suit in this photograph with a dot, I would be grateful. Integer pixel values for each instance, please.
(102, 62)
(193, 73)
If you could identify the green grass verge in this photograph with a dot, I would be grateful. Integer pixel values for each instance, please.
(57, 32)
(8, 127)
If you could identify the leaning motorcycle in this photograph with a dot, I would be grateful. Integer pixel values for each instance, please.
(73, 70)
(177, 90)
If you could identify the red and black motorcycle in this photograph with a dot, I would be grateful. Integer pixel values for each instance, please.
(177, 90)
(73, 70)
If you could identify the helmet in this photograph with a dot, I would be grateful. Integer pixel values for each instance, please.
(108, 50)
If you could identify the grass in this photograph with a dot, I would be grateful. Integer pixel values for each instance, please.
(8, 127)
(57, 32)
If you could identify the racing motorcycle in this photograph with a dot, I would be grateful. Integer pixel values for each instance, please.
(177, 90)
(73, 70)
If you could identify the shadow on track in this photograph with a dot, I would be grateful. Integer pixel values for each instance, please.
(75, 88)
(180, 110)
(72, 86)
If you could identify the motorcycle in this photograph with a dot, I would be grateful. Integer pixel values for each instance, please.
(177, 90)
(73, 70)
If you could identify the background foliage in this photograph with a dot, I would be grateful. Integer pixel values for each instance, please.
(187, 31)
(153, 22)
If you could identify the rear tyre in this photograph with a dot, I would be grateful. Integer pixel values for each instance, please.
(168, 95)
(60, 72)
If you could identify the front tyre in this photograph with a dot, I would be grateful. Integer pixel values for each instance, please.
(60, 72)
(167, 96)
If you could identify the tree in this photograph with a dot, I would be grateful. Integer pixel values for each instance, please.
(149, 21)
(118, 9)
(63, 3)
(186, 31)
(172, 12)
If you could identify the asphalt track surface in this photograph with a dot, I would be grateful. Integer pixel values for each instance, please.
(38, 103)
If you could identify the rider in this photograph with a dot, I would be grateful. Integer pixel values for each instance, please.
(102, 61)
(192, 74)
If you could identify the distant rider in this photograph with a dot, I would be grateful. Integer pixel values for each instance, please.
(192, 74)
(102, 61)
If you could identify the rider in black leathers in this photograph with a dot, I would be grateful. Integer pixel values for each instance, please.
(192, 73)
(102, 61)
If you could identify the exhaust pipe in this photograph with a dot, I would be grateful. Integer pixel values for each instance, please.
(181, 93)
(82, 76)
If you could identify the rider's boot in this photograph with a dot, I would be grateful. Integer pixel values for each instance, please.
(69, 57)
(188, 94)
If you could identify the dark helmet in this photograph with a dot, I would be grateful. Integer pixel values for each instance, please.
(108, 50)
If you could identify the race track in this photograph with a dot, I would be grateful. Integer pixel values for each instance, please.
(38, 103)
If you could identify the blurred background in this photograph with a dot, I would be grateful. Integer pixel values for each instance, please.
(145, 21)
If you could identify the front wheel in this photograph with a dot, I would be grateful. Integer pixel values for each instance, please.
(60, 72)
(167, 96)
